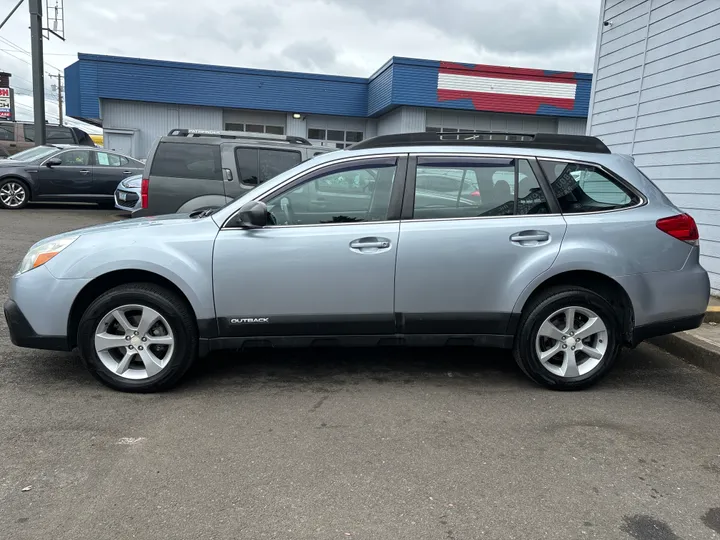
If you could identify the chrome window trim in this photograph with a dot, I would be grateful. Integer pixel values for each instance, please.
(311, 171)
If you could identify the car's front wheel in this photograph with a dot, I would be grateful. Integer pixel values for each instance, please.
(138, 338)
(568, 338)
(14, 194)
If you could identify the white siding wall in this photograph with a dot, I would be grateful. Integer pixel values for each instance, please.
(657, 96)
(153, 120)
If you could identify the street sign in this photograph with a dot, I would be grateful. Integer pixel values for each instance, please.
(6, 104)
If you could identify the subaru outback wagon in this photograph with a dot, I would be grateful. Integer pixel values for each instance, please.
(548, 245)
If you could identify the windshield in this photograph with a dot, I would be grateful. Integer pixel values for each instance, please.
(32, 154)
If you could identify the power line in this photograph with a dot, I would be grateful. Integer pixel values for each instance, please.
(20, 49)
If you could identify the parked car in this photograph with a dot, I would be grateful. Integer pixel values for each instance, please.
(193, 169)
(63, 173)
(127, 194)
(563, 275)
(18, 136)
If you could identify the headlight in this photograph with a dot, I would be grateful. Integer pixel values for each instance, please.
(132, 183)
(42, 252)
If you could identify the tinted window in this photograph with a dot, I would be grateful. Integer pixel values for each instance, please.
(455, 188)
(231, 126)
(254, 128)
(7, 132)
(354, 195)
(273, 162)
(275, 130)
(247, 165)
(199, 161)
(57, 135)
(106, 159)
(316, 133)
(77, 158)
(585, 188)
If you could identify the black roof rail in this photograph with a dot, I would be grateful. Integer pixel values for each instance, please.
(546, 141)
(184, 132)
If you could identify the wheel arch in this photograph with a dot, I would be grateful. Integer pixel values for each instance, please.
(597, 282)
(27, 183)
(107, 281)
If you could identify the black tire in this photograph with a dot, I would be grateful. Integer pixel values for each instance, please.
(15, 182)
(542, 307)
(175, 311)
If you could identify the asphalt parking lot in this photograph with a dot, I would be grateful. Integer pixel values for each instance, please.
(332, 444)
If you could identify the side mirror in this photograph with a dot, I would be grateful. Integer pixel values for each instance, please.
(53, 162)
(253, 215)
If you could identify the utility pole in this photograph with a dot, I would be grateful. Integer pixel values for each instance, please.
(60, 89)
(36, 40)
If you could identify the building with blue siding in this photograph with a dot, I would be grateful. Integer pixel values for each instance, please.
(137, 100)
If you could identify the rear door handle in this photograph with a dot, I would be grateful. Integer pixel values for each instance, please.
(530, 236)
(369, 243)
(127, 172)
(83, 171)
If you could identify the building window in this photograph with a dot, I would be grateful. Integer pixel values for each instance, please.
(334, 137)
(255, 128)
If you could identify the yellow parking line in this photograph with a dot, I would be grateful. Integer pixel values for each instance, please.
(714, 309)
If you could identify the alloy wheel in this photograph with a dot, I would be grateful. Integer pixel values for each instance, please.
(134, 341)
(12, 194)
(572, 342)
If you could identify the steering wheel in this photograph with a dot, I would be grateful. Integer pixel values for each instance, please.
(287, 210)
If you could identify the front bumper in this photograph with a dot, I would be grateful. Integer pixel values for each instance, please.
(131, 202)
(22, 333)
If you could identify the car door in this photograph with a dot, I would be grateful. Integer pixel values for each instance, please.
(109, 170)
(465, 257)
(72, 179)
(333, 274)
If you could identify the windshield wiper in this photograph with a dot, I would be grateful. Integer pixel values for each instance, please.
(201, 213)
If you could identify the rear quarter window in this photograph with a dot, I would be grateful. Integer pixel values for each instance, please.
(192, 161)
(582, 188)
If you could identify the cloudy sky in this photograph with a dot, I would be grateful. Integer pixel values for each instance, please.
(345, 37)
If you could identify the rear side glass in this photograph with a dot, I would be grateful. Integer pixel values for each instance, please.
(247, 165)
(58, 135)
(192, 161)
(581, 188)
(7, 132)
(274, 162)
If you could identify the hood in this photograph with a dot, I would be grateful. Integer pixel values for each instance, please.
(9, 162)
(142, 225)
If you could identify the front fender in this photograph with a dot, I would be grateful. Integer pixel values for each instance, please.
(184, 257)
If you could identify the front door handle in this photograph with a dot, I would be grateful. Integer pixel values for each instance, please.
(83, 171)
(525, 237)
(127, 172)
(370, 243)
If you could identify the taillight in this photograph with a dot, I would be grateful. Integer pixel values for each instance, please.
(681, 227)
(144, 192)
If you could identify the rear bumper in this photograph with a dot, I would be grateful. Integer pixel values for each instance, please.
(22, 333)
(661, 328)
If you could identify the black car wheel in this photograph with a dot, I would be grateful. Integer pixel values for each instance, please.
(14, 194)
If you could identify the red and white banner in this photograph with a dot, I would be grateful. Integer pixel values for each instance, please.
(505, 89)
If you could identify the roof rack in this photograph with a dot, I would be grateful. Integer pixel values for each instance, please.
(548, 141)
(182, 132)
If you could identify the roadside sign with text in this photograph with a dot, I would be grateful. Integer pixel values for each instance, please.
(6, 104)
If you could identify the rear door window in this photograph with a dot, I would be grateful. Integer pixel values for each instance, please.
(581, 188)
(258, 165)
(192, 161)
(58, 135)
(7, 131)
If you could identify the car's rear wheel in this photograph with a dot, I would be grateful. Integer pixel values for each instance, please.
(14, 194)
(138, 338)
(568, 338)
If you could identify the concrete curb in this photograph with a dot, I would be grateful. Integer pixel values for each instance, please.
(692, 350)
(712, 314)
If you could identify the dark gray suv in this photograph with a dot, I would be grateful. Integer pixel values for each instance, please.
(190, 169)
